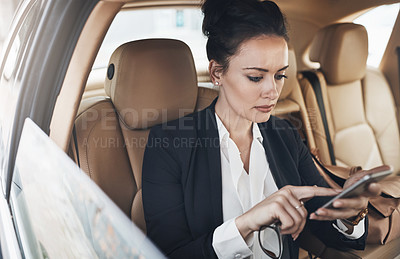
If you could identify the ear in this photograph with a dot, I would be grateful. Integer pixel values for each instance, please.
(215, 72)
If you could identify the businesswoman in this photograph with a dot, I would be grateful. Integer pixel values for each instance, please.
(244, 168)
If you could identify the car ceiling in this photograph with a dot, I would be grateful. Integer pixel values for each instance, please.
(305, 17)
(319, 12)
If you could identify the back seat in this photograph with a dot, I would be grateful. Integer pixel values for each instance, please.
(291, 104)
(111, 133)
(359, 105)
(148, 82)
(360, 114)
(204, 97)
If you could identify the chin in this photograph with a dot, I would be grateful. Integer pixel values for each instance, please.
(261, 117)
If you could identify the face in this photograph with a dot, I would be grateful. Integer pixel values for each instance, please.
(251, 85)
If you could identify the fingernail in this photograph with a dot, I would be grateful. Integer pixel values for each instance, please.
(295, 237)
(320, 212)
(337, 204)
(313, 216)
(338, 190)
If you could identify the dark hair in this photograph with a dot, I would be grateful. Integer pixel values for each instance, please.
(228, 23)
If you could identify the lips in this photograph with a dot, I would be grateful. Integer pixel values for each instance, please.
(265, 108)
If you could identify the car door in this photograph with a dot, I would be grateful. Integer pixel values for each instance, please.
(33, 65)
(59, 212)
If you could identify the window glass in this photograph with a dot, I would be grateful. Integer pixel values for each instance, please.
(6, 13)
(60, 212)
(379, 24)
(13, 67)
(181, 23)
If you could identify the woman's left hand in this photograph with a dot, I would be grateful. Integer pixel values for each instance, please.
(349, 207)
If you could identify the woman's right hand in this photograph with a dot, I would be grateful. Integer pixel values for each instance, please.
(284, 206)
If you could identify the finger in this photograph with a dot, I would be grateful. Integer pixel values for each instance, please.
(303, 223)
(289, 195)
(283, 216)
(332, 214)
(304, 214)
(299, 205)
(297, 215)
(308, 192)
(355, 203)
(374, 190)
(294, 227)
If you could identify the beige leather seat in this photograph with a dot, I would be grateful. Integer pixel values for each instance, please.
(291, 104)
(148, 82)
(358, 101)
(205, 96)
(360, 113)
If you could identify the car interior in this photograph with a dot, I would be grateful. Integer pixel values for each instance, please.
(345, 110)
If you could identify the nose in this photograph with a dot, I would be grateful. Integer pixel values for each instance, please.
(269, 89)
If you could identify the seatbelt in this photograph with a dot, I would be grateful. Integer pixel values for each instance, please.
(76, 145)
(313, 78)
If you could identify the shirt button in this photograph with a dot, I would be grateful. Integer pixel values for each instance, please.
(238, 256)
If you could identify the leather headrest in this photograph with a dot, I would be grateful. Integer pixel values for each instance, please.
(291, 73)
(151, 81)
(342, 51)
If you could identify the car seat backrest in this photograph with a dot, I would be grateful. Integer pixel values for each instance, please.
(291, 104)
(342, 51)
(149, 82)
(362, 133)
(205, 96)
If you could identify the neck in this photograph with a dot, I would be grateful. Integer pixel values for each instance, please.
(238, 126)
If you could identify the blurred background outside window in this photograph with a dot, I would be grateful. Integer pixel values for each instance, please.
(182, 24)
(7, 9)
(379, 24)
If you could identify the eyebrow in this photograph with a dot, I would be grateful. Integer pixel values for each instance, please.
(264, 70)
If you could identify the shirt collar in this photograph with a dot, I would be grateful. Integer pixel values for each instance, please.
(224, 133)
(257, 133)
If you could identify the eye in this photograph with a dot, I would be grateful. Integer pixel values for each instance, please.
(280, 77)
(255, 78)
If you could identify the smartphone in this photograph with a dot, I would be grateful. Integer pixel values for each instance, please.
(359, 187)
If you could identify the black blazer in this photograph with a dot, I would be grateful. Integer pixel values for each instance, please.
(182, 188)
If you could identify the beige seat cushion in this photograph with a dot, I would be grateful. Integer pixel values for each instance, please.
(359, 105)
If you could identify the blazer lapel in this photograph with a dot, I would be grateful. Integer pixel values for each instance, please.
(269, 143)
(280, 160)
(209, 131)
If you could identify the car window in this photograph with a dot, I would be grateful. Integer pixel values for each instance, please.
(6, 13)
(60, 212)
(176, 23)
(379, 24)
(13, 64)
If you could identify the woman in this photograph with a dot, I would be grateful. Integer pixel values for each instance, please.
(242, 168)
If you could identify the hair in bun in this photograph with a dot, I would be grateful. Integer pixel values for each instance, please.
(228, 23)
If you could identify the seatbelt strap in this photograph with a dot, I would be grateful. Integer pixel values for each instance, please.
(76, 145)
(314, 80)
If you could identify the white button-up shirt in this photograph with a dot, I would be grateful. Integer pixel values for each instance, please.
(242, 191)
